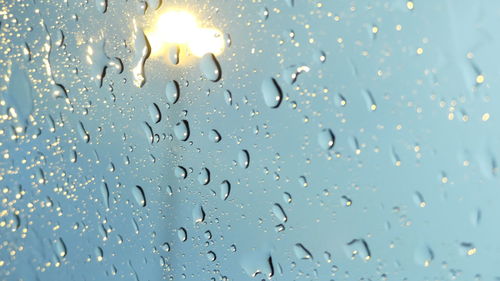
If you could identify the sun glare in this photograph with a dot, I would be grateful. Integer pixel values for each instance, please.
(181, 28)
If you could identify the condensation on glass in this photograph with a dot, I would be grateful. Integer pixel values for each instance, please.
(249, 140)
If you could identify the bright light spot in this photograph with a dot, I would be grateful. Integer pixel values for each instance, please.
(180, 28)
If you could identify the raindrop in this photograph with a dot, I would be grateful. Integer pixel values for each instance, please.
(182, 234)
(210, 67)
(423, 255)
(173, 54)
(198, 214)
(60, 248)
(180, 172)
(225, 189)
(155, 113)
(326, 139)
(214, 136)
(181, 130)
(139, 196)
(172, 91)
(301, 252)
(271, 92)
(244, 158)
(204, 176)
(279, 213)
(101, 5)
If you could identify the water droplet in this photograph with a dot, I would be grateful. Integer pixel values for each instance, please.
(180, 172)
(198, 214)
(60, 248)
(271, 92)
(326, 139)
(423, 255)
(101, 5)
(105, 194)
(287, 197)
(84, 135)
(244, 158)
(211, 256)
(228, 97)
(301, 252)
(210, 67)
(139, 195)
(204, 176)
(142, 52)
(279, 213)
(172, 91)
(182, 234)
(155, 113)
(165, 247)
(225, 189)
(303, 181)
(148, 132)
(181, 130)
(173, 54)
(214, 136)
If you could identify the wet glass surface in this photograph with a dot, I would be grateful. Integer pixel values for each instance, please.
(249, 140)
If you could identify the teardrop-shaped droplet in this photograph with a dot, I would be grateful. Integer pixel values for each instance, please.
(279, 213)
(225, 190)
(172, 91)
(423, 255)
(204, 176)
(228, 97)
(60, 248)
(271, 92)
(105, 194)
(210, 67)
(326, 139)
(155, 113)
(182, 234)
(165, 247)
(180, 172)
(84, 135)
(244, 158)
(101, 5)
(214, 136)
(148, 132)
(173, 54)
(301, 252)
(139, 195)
(198, 214)
(181, 130)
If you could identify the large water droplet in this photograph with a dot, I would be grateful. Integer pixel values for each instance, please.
(225, 189)
(139, 195)
(279, 213)
(244, 158)
(210, 67)
(172, 91)
(182, 234)
(142, 52)
(301, 252)
(271, 92)
(181, 130)
(204, 176)
(326, 139)
(198, 214)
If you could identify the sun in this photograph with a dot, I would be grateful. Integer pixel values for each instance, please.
(181, 28)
